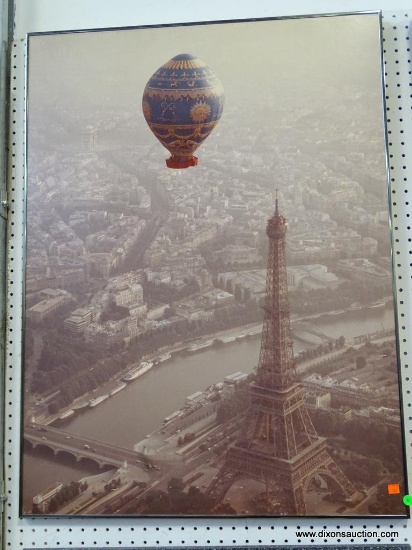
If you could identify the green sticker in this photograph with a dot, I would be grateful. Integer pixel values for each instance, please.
(407, 500)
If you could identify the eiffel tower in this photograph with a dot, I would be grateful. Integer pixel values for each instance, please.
(278, 444)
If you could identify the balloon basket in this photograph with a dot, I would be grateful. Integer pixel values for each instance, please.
(181, 162)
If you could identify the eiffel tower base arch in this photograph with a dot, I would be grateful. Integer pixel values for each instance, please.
(287, 479)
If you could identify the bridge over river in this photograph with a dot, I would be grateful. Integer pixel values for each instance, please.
(104, 454)
(308, 327)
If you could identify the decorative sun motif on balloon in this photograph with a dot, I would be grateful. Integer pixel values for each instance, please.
(200, 112)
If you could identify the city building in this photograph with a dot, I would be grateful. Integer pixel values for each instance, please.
(75, 325)
(45, 308)
(312, 277)
(365, 272)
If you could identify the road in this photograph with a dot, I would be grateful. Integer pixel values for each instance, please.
(194, 456)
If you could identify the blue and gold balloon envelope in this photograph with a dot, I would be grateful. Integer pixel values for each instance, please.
(182, 103)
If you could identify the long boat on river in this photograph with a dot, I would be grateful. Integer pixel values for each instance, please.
(97, 400)
(136, 372)
(199, 346)
(118, 388)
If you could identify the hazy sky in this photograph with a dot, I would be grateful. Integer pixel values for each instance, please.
(250, 58)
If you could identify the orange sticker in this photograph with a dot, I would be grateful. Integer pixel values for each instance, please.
(393, 489)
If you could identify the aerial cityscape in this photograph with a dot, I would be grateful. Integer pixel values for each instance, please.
(188, 333)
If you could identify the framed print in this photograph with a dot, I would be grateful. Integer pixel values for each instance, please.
(209, 320)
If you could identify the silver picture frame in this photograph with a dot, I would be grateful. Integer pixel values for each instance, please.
(146, 388)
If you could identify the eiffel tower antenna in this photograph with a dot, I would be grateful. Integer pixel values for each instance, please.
(278, 444)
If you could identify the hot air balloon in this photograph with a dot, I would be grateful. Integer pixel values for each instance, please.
(182, 103)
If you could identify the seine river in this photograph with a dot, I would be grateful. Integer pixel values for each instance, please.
(141, 407)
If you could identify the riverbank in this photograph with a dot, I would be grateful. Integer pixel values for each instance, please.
(162, 355)
(220, 338)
